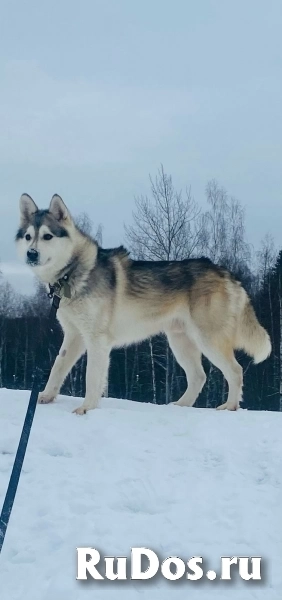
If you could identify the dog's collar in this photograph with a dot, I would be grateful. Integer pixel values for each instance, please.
(60, 288)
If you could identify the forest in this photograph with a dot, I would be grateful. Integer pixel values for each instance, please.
(168, 224)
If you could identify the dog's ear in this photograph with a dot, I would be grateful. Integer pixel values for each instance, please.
(58, 209)
(27, 207)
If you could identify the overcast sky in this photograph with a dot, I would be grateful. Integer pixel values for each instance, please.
(95, 94)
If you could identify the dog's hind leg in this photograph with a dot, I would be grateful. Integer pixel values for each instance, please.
(188, 356)
(71, 350)
(222, 357)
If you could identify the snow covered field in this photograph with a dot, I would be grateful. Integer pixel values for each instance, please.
(184, 482)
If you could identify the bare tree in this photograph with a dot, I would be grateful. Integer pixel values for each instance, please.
(8, 299)
(165, 226)
(266, 257)
(224, 229)
(84, 223)
(99, 235)
(8, 307)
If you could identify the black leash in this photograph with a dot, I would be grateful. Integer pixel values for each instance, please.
(55, 293)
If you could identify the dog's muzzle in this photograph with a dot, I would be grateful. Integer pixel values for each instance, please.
(32, 256)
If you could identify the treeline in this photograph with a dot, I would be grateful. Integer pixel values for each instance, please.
(166, 225)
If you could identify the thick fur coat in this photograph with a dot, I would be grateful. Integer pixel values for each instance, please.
(117, 301)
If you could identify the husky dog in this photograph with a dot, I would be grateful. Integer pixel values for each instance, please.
(114, 301)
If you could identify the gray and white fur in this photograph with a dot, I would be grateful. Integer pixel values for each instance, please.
(116, 301)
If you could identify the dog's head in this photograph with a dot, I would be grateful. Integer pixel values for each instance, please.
(44, 238)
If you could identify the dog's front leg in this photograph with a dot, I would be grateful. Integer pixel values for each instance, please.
(98, 354)
(71, 350)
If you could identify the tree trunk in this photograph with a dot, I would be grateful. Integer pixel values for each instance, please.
(153, 372)
(167, 373)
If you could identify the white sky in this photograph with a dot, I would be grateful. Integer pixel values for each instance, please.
(95, 95)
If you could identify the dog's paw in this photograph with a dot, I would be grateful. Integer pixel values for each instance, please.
(183, 402)
(227, 406)
(80, 410)
(45, 399)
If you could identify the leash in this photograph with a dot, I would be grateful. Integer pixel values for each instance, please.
(56, 292)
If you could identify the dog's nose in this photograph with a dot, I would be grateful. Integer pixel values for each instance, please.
(32, 255)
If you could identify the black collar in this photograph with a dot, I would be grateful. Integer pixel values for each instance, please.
(60, 288)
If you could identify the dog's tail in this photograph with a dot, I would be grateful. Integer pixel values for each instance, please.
(252, 337)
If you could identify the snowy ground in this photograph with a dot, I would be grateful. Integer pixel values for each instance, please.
(184, 482)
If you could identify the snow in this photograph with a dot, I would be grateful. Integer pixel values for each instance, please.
(181, 481)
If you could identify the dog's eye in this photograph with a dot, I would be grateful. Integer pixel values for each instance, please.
(28, 237)
(47, 236)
